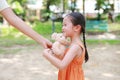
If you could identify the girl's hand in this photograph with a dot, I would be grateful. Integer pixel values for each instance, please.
(47, 52)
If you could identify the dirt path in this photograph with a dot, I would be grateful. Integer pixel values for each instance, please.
(29, 64)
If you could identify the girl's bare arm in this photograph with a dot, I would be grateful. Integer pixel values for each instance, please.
(70, 55)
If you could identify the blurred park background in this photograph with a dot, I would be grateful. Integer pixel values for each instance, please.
(21, 57)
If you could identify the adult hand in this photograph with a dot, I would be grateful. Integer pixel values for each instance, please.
(46, 43)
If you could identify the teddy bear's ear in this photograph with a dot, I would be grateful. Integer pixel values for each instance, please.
(53, 36)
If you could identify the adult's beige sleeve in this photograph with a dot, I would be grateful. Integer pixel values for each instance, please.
(3, 5)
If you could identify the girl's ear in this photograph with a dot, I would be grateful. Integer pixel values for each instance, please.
(77, 28)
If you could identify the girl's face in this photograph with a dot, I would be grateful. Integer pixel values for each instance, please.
(67, 28)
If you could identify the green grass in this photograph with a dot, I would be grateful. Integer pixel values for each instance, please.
(6, 51)
(112, 42)
(114, 27)
(7, 42)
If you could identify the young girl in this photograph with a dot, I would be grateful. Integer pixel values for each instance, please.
(70, 66)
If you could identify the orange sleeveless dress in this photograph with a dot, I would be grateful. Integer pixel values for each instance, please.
(74, 70)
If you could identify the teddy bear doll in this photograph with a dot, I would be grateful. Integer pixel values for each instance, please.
(59, 45)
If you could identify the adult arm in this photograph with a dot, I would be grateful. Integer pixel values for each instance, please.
(18, 23)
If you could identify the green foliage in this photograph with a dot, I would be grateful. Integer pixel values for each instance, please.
(47, 3)
(22, 2)
(17, 8)
(117, 18)
(51, 2)
(99, 4)
(103, 4)
(44, 15)
(46, 28)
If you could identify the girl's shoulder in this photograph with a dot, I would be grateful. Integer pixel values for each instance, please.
(79, 47)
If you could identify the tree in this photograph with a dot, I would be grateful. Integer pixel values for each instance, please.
(18, 7)
(73, 5)
(99, 5)
(47, 3)
(22, 2)
(102, 5)
(84, 7)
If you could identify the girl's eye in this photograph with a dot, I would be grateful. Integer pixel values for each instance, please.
(64, 24)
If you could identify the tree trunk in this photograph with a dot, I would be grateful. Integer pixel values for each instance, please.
(47, 6)
(84, 7)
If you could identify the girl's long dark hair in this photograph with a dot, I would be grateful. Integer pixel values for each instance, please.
(79, 19)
